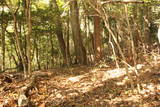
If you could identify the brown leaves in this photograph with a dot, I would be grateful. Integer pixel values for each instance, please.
(85, 87)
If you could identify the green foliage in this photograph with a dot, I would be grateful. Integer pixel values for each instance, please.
(42, 4)
(60, 3)
(44, 18)
(151, 2)
(13, 2)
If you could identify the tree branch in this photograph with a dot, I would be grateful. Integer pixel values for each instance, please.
(122, 1)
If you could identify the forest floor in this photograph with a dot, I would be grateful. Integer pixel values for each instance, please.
(87, 87)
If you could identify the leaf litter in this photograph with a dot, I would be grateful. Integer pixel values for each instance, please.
(86, 87)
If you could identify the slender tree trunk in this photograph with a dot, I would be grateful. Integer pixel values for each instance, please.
(3, 39)
(77, 39)
(28, 20)
(47, 55)
(67, 42)
(59, 31)
(97, 39)
(14, 46)
(37, 51)
(158, 34)
(17, 39)
(137, 34)
(22, 57)
(52, 52)
(147, 33)
(134, 54)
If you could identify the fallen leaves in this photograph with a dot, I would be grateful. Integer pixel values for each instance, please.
(87, 87)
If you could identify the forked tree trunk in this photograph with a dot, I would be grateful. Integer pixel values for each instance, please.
(59, 31)
(17, 37)
(77, 39)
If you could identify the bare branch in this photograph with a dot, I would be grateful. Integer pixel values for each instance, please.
(122, 1)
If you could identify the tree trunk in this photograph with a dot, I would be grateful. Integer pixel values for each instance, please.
(37, 51)
(77, 39)
(3, 39)
(28, 20)
(52, 51)
(147, 33)
(67, 42)
(137, 31)
(59, 31)
(158, 34)
(17, 39)
(97, 38)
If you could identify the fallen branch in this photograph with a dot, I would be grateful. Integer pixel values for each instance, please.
(23, 99)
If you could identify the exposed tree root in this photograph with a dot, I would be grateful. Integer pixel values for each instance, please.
(23, 99)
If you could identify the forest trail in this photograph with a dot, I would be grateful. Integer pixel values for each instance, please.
(86, 87)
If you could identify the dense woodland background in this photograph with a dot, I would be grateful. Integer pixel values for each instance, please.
(46, 34)
(43, 34)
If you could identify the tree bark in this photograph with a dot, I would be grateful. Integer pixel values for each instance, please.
(158, 34)
(37, 51)
(17, 39)
(52, 51)
(67, 42)
(29, 25)
(147, 33)
(77, 39)
(3, 39)
(59, 31)
(97, 38)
